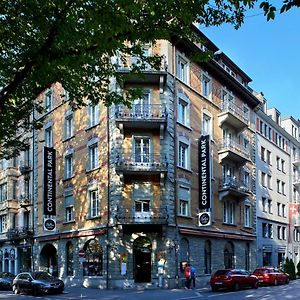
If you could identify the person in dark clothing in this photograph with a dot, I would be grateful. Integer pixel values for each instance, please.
(193, 276)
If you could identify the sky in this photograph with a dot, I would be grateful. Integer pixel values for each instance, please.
(268, 52)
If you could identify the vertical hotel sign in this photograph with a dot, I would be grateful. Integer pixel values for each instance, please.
(204, 172)
(49, 189)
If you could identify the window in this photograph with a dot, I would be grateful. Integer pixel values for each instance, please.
(3, 223)
(229, 212)
(183, 154)
(227, 96)
(141, 107)
(283, 233)
(278, 187)
(69, 126)
(93, 111)
(70, 258)
(277, 163)
(270, 206)
(206, 86)
(263, 179)
(283, 210)
(48, 100)
(68, 166)
(48, 137)
(269, 157)
(247, 215)
(207, 257)
(269, 182)
(142, 149)
(206, 125)
(183, 112)
(263, 154)
(278, 209)
(270, 231)
(93, 156)
(264, 204)
(283, 188)
(184, 201)
(93, 265)
(142, 206)
(182, 69)
(94, 203)
(283, 166)
(279, 232)
(3, 192)
(142, 196)
(69, 207)
(265, 230)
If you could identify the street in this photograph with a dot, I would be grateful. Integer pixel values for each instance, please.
(281, 292)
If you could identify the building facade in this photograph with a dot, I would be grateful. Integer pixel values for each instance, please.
(121, 195)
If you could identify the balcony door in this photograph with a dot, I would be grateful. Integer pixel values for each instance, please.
(142, 210)
(142, 196)
(142, 149)
(141, 106)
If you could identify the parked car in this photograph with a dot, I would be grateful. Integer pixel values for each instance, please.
(271, 275)
(37, 283)
(6, 280)
(233, 279)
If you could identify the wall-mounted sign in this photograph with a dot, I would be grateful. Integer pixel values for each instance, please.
(204, 172)
(49, 224)
(204, 219)
(49, 182)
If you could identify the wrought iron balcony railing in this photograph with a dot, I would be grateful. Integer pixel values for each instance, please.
(238, 112)
(25, 200)
(234, 184)
(146, 162)
(234, 147)
(20, 233)
(153, 216)
(25, 166)
(143, 112)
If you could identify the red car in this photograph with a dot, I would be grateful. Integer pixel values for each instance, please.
(233, 279)
(271, 275)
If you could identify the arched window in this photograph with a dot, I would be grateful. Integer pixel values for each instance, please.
(12, 257)
(229, 256)
(247, 257)
(69, 259)
(207, 257)
(93, 266)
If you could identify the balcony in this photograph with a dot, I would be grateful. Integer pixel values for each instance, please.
(142, 116)
(233, 115)
(147, 75)
(233, 151)
(19, 233)
(296, 181)
(296, 161)
(25, 166)
(142, 164)
(156, 216)
(25, 200)
(231, 187)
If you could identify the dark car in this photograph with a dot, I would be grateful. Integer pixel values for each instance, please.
(233, 279)
(37, 283)
(6, 280)
(271, 275)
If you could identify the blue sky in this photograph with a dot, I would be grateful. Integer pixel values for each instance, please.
(269, 52)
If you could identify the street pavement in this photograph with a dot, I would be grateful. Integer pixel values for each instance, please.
(282, 292)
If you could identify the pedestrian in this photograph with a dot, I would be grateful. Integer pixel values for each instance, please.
(187, 275)
(193, 276)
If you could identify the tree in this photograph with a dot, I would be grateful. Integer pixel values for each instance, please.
(73, 41)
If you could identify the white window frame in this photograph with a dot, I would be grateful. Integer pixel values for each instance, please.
(94, 203)
(184, 203)
(207, 124)
(94, 116)
(183, 110)
(69, 166)
(145, 154)
(206, 86)
(69, 209)
(183, 155)
(69, 126)
(182, 68)
(247, 215)
(48, 102)
(229, 211)
(3, 223)
(49, 136)
(93, 157)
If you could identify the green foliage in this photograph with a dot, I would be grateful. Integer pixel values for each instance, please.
(289, 267)
(73, 41)
(298, 268)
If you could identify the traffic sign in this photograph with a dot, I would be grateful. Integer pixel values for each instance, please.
(81, 253)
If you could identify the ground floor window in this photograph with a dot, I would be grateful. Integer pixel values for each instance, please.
(267, 258)
(229, 262)
(70, 261)
(207, 257)
(93, 266)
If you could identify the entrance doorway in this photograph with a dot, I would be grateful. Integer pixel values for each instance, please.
(48, 259)
(142, 249)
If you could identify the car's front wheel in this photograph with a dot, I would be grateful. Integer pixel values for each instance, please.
(236, 286)
(255, 285)
(16, 289)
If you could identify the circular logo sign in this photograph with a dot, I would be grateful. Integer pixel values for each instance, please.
(49, 224)
(204, 219)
